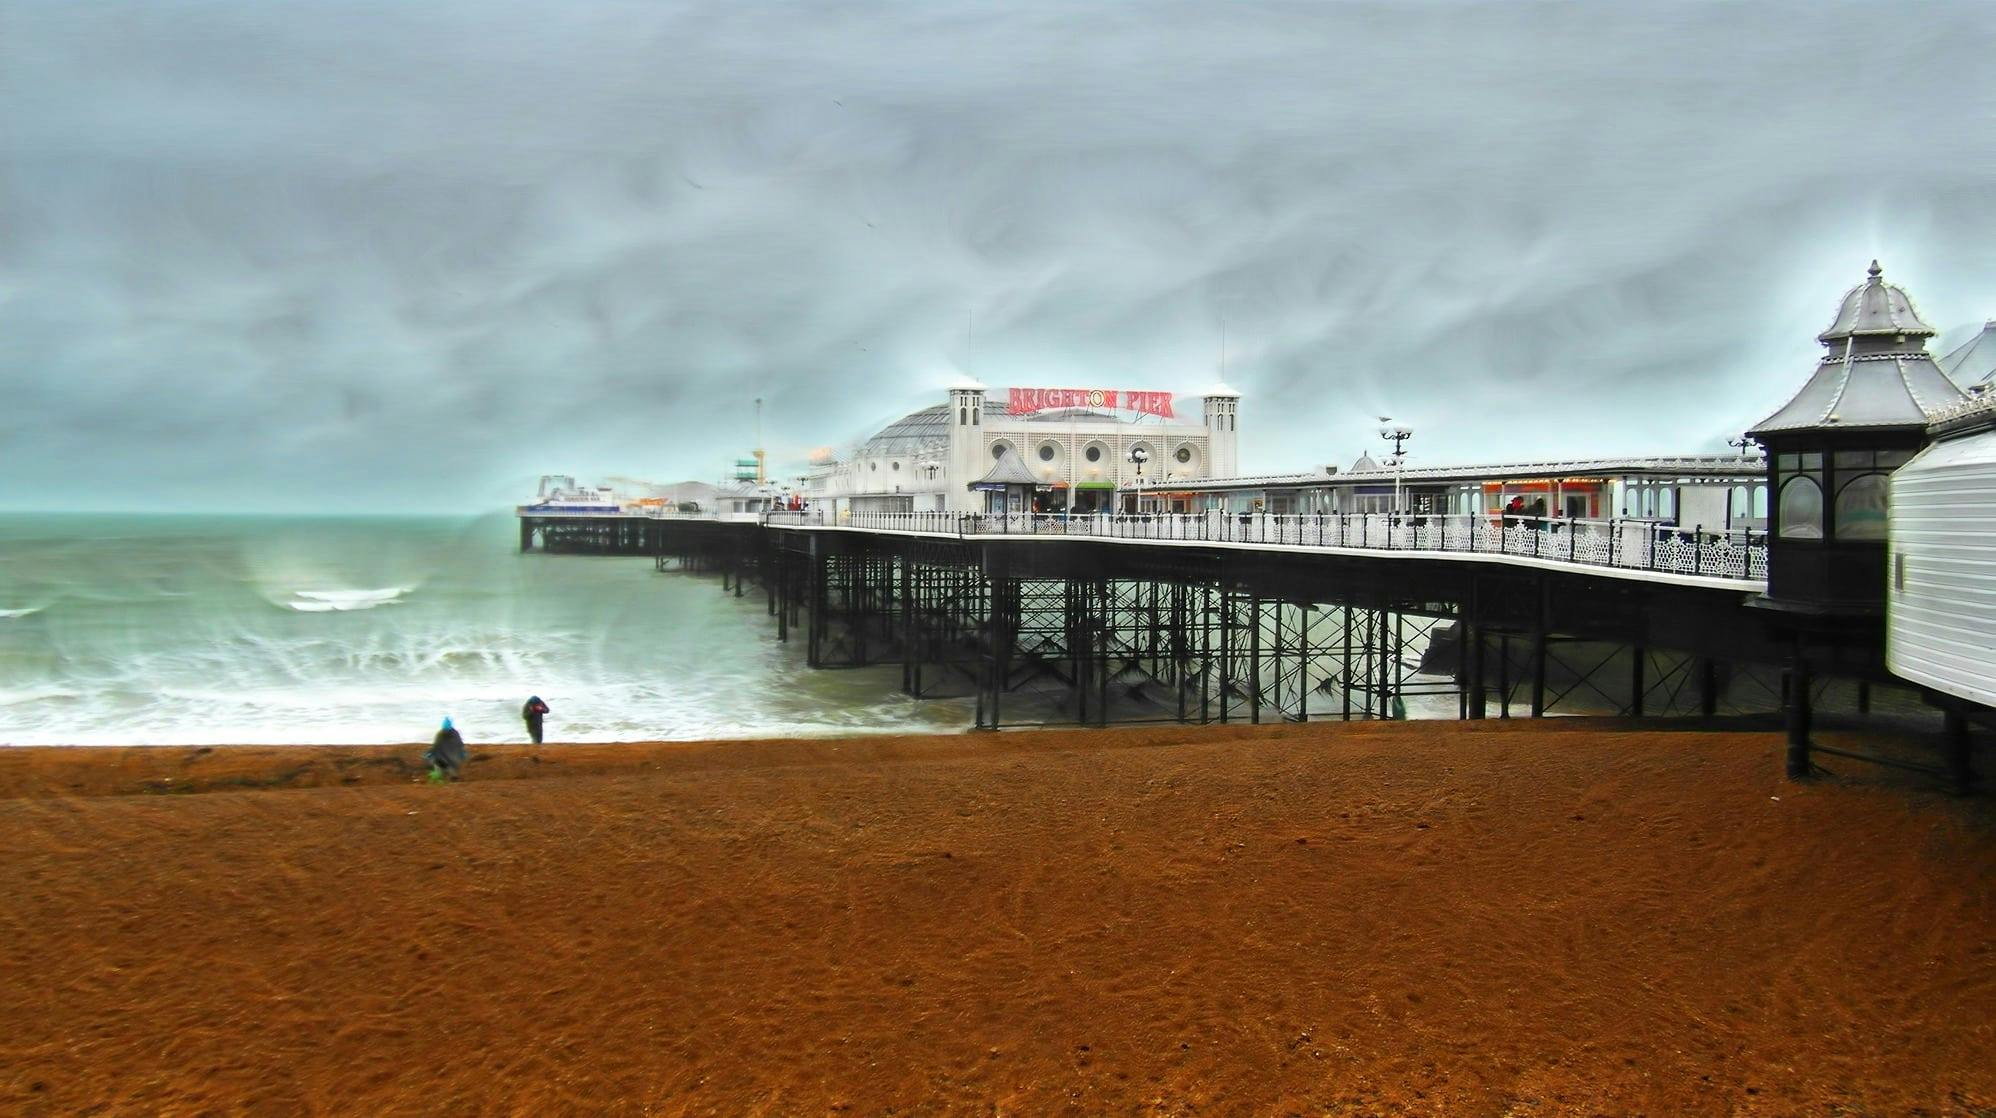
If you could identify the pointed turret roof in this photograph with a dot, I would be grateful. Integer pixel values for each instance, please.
(1973, 362)
(1010, 469)
(1875, 370)
(1876, 307)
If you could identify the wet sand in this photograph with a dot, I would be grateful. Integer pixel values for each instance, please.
(1421, 918)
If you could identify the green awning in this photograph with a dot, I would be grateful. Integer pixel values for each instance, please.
(1095, 485)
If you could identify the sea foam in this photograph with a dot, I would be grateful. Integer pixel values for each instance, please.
(342, 601)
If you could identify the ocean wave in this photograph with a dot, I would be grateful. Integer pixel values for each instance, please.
(22, 612)
(343, 601)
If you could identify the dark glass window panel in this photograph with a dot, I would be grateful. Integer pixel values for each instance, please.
(1801, 509)
(1861, 508)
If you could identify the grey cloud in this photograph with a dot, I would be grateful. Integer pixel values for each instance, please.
(353, 254)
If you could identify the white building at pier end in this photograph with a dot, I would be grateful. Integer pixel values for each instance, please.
(1081, 446)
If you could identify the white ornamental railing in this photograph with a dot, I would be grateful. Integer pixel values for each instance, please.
(1738, 553)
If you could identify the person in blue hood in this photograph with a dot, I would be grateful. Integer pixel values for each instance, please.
(446, 753)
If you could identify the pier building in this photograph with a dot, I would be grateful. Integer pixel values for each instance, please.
(1717, 491)
(1088, 450)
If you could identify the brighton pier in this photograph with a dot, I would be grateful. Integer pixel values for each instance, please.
(1858, 550)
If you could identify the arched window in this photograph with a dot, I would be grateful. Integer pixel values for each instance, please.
(1861, 506)
(1760, 501)
(962, 416)
(1801, 509)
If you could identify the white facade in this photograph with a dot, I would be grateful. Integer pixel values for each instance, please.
(1941, 574)
(1082, 456)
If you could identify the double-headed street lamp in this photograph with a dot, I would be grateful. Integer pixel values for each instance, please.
(930, 465)
(1398, 436)
(1139, 455)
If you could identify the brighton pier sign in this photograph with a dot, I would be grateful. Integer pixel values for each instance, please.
(1028, 401)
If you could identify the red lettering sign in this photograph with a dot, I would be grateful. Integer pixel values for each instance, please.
(1028, 401)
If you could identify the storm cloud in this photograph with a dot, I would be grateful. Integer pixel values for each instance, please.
(350, 255)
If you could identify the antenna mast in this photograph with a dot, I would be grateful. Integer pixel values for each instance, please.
(761, 475)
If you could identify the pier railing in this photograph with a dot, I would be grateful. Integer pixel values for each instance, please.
(1647, 545)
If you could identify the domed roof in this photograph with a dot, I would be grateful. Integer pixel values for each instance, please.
(914, 432)
(1365, 464)
(1876, 307)
(1220, 388)
(1874, 372)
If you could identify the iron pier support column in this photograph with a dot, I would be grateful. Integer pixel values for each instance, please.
(1708, 686)
(1539, 651)
(1473, 649)
(814, 632)
(1226, 650)
(1254, 659)
(780, 589)
(1504, 674)
(1638, 655)
(1798, 703)
(1344, 658)
(1179, 660)
(1864, 696)
(908, 655)
(1960, 762)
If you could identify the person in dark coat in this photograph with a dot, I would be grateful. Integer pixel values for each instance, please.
(446, 753)
(533, 712)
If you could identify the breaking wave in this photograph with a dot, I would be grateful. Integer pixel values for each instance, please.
(170, 637)
(343, 601)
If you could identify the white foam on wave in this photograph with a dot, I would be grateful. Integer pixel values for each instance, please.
(23, 612)
(342, 601)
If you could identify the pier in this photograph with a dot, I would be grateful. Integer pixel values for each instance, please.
(1749, 584)
(1203, 618)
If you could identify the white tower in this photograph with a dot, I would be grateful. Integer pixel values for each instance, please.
(967, 460)
(1222, 441)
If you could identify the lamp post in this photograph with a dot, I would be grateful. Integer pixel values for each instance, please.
(1398, 436)
(1139, 455)
(1743, 442)
(931, 466)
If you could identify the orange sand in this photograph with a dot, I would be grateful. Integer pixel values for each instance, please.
(1406, 918)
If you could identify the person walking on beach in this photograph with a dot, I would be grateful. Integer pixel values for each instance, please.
(446, 753)
(533, 712)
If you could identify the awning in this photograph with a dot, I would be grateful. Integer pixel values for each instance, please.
(1095, 485)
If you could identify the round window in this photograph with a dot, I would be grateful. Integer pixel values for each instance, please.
(873, 465)
(997, 450)
(897, 465)
(1184, 454)
(1046, 452)
(1094, 454)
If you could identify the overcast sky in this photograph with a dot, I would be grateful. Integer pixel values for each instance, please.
(414, 253)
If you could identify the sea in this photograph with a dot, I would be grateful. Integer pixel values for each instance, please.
(181, 630)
